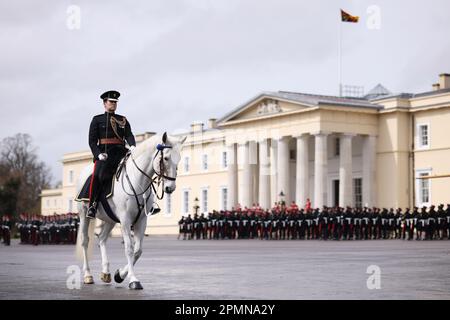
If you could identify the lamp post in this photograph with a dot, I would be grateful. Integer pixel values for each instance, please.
(196, 206)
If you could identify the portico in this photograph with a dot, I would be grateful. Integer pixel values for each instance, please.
(296, 149)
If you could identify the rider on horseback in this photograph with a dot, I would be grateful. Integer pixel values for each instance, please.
(107, 135)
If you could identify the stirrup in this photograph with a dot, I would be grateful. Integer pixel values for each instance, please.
(153, 210)
(91, 212)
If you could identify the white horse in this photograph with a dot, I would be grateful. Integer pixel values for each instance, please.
(157, 155)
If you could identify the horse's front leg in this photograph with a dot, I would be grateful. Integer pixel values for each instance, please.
(84, 237)
(129, 253)
(139, 232)
(105, 276)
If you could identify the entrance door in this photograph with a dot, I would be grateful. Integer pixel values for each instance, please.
(335, 193)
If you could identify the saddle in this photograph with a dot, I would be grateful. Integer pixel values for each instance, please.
(107, 188)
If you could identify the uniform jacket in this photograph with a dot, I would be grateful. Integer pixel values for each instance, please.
(98, 130)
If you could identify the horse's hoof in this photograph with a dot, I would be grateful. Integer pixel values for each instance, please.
(88, 280)
(105, 277)
(135, 285)
(117, 277)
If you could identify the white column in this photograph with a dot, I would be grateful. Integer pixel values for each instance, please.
(345, 171)
(264, 175)
(283, 167)
(320, 170)
(246, 177)
(253, 163)
(232, 192)
(273, 171)
(369, 183)
(302, 178)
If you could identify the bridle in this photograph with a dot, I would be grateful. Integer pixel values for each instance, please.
(157, 180)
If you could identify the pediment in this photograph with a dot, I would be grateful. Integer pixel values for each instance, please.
(265, 106)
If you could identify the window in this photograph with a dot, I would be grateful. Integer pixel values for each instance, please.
(186, 164)
(224, 198)
(48, 203)
(337, 147)
(168, 210)
(70, 205)
(357, 191)
(205, 162)
(224, 159)
(205, 200)
(423, 188)
(54, 202)
(70, 176)
(423, 132)
(185, 201)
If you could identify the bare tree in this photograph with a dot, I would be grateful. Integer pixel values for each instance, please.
(22, 173)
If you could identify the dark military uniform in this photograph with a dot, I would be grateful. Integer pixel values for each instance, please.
(107, 134)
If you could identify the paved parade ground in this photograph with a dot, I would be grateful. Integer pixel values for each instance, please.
(238, 269)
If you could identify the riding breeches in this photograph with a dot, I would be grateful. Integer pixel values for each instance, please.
(103, 172)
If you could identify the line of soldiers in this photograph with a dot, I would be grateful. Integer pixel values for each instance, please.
(5, 229)
(329, 223)
(55, 229)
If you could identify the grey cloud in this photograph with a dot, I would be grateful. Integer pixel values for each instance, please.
(182, 60)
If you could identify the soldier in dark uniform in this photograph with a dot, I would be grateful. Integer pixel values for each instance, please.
(45, 230)
(422, 220)
(441, 222)
(391, 223)
(253, 229)
(323, 224)
(197, 226)
(357, 231)
(301, 225)
(447, 221)
(6, 229)
(204, 226)
(407, 219)
(432, 218)
(189, 227)
(365, 223)
(292, 224)
(107, 135)
(181, 228)
(415, 220)
(384, 223)
(347, 224)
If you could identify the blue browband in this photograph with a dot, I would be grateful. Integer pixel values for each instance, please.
(161, 147)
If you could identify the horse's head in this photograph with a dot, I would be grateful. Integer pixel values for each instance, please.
(167, 159)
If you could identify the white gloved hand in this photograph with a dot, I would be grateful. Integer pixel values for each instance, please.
(132, 148)
(103, 156)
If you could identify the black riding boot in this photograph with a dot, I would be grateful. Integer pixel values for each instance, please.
(92, 210)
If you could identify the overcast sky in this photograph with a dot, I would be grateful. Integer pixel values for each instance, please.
(179, 61)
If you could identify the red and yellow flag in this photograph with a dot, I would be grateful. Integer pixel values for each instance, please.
(346, 17)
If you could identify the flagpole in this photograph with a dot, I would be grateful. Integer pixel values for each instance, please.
(340, 58)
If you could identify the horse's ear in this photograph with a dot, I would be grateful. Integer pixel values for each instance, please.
(183, 139)
(164, 137)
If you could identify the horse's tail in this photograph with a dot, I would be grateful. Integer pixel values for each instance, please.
(82, 209)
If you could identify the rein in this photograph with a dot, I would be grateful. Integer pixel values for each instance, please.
(158, 179)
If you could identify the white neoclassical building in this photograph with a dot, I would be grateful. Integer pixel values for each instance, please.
(333, 150)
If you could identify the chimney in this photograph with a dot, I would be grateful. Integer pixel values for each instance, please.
(197, 126)
(444, 81)
(212, 123)
(436, 87)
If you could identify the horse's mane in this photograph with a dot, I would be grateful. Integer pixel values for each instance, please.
(146, 145)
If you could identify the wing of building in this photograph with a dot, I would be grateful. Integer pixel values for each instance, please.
(335, 151)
